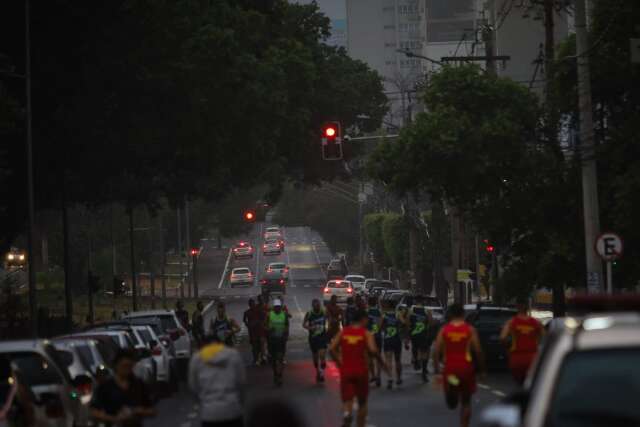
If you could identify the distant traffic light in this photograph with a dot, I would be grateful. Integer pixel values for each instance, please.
(331, 138)
(249, 216)
(195, 251)
(488, 246)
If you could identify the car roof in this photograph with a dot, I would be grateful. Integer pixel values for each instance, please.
(241, 268)
(148, 313)
(359, 276)
(603, 330)
(23, 345)
(278, 263)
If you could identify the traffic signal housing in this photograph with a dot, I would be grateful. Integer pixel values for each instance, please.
(249, 215)
(331, 138)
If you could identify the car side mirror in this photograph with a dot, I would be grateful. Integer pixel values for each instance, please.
(501, 415)
(82, 380)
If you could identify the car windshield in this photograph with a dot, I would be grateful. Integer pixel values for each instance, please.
(34, 370)
(85, 355)
(598, 388)
(493, 318)
(145, 335)
(340, 285)
(241, 271)
(278, 266)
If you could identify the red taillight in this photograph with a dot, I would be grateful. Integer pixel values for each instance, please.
(263, 282)
(349, 290)
(326, 290)
(157, 351)
(282, 281)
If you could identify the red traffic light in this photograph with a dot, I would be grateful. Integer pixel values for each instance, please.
(195, 251)
(329, 131)
(249, 216)
(490, 248)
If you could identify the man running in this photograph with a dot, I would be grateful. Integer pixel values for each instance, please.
(391, 326)
(223, 327)
(351, 349)
(525, 333)
(334, 316)
(197, 324)
(455, 342)
(315, 321)
(374, 325)
(419, 321)
(349, 311)
(253, 319)
(277, 336)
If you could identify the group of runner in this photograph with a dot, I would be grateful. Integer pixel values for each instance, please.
(366, 338)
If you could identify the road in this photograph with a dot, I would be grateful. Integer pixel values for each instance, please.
(413, 404)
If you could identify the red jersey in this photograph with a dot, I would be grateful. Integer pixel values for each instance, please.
(457, 346)
(525, 334)
(353, 346)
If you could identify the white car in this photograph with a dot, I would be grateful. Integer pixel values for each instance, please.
(271, 247)
(357, 281)
(159, 352)
(272, 233)
(241, 276)
(170, 327)
(342, 289)
(38, 364)
(278, 267)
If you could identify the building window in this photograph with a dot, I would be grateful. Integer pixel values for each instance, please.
(411, 44)
(390, 62)
(408, 9)
(390, 44)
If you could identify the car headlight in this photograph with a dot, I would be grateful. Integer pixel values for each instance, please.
(21, 257)
(10, 257)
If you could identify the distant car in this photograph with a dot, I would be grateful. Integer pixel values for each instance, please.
(488, 321)
(15, 259)
(394, 296)
(336, 270)
(586, 374)
(357, 281)
(273, 282)
(272, 233)
(342, 289)
(241, 276)
(243, 250)
(170, 327)
(278, 267)
(40, 366)
(271, 247)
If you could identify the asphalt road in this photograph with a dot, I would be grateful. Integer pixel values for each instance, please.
(413, 404)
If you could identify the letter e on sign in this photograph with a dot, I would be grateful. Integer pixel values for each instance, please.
(609, 246)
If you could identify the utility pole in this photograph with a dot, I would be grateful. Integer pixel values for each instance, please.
(179, 250)
(163, 260)
(187, 234)
(134, 284)
(68, 295)
(90, 279)
(31, 265)
(114, 259)
(587, 150)
(489, 38)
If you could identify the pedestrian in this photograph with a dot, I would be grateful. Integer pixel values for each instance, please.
(334, 316)
(315, 321)
(525, 333)
(217, 377)
(349, 312)
(264, 310)
(392, 343)
(197, 324)
(277, 335)
(122, 400)
(419, 323)
(455, 343)
(374, 325)
(17, 406)
(253, 319)
(350, 349)
(223, 327)
(182, 315)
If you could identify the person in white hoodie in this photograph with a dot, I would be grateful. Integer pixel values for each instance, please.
(217, 377)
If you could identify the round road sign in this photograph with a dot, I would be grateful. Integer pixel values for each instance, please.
(609, 246)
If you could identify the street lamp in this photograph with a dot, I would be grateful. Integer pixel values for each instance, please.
(410, 54)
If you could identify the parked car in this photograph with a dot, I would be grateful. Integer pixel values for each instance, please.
(488, 320)
(241, 276)
(586, 373)
(342, 289)
(38, 366)
(170, 327)
(160, 354)
(357, 281)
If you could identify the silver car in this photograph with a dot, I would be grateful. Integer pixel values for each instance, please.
(170, 327)
(241, 276)
(39, 367)
(159, 353)
(271, 247)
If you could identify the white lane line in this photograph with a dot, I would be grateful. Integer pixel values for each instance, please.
(498, 393)
(186, 424)
(492, 390)
(226, 268)
(258, 251)
(484, 386)
(295, 299)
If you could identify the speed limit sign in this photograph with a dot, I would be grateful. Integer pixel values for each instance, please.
(609, 246)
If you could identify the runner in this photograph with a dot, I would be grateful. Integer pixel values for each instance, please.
(264, 309)
(315, 321)
(197, 324)
(391, 326)
(525, 333)
(277, 336)
(455, 342)
(374, 325)
(334, 316)
(253, 319)
(182, 315)
(349, 311)
(350, 349)
(224, 327)
(419, 321)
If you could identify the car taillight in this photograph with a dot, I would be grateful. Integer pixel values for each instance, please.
(349, 290)
(282, 281)
(326, 290)
(235, 250)
(84, 389)
(157, 351)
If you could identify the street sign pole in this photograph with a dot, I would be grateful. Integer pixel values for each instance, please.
(609, 278)
(609, 246)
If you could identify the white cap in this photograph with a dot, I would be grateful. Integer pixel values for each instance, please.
(277, 303)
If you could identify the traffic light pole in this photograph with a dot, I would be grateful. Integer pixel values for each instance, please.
(134, 284)
(194, 261)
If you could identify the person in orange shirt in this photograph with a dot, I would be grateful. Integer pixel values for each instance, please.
(455, 342)
(351, 348)
(525, 333)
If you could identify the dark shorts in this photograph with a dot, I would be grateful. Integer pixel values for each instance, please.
(378, 339)
(277, 347)
(318, 343)
(420, 342)
(354, 386)
(393, 345)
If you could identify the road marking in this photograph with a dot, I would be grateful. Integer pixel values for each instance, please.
(186, 424)
(295, 299)
(192, 415)
(307, 286)
(492, 390)
(258, 251)
(498, 393)
(226, 267)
